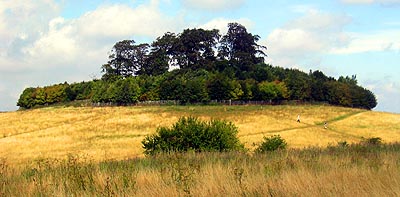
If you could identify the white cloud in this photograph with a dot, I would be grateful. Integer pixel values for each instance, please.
(304, 8)
(57, 44)
(306, 38)
(358, 1)
(21, 22)
(382, 2)
(319, 21)
(2, 88)
(222, 24)
(392, 23)
(213, 5)
(38, 47)
(121, 20)
(378, 41)
(61, 42)
(387, 92)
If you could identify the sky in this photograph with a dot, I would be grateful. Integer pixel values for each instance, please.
(45, 42)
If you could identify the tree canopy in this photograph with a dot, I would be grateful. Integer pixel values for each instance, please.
(199, 66)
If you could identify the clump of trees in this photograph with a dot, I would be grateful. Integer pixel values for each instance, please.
(197, 66)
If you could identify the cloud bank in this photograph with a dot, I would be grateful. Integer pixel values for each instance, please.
(388, 40)
(307, 37)
(38, 47)
(213, 5)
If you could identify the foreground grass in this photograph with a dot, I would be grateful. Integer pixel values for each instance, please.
(116, 132)
(355, 170)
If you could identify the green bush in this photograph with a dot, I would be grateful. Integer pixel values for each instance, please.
(193, 134)
(271, 143)
(374, 141)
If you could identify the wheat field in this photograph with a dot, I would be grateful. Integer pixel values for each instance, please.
(104, 133)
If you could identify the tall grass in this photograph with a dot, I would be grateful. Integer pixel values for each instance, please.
(344, 170)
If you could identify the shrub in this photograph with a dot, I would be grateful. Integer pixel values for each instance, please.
(193, 134)
(342, 144)
(374, 141)
(271, 143)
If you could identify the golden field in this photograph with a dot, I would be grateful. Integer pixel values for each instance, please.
(104, 133)
(67, 151)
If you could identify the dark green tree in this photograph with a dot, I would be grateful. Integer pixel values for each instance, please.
(221, 87)
(172, 86)
(100, 94)
(150, 87)
(361, 97)
(125, 60)
(274, 91)
(121, 61)
(298, 84)
(140, 57)
(349, 80)
(160, 56)
(125, 91)
(262, 72)
(249, 88)
(339, 93)
(241, 48)
(56, 93)
(370, 99)
(194, 48)
(40, 96)
(319, 90)
(80, 91)
(27, 98)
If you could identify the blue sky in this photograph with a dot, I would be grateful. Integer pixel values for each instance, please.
(43, 42)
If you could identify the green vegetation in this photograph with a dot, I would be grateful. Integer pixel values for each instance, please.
(200, 66)
(193, 134)
(272, 143)
(355, 169)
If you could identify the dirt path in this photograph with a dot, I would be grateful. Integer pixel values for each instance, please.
(333, 120)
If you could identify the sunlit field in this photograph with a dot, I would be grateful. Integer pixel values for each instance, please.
(84, 151)
(105, 133)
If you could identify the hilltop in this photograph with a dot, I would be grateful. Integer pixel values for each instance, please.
(103, 133)
(200, 66)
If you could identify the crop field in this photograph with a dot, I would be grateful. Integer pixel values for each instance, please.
(84, 151)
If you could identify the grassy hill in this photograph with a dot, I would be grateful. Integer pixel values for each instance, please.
(72, 152)
(116, 132)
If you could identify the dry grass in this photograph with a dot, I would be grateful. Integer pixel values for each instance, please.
(102, 133)
(371, 124)
(116, 132)
(311, 172)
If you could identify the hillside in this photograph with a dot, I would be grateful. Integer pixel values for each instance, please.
(116, 132)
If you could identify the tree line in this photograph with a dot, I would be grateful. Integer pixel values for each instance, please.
(197, 66)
